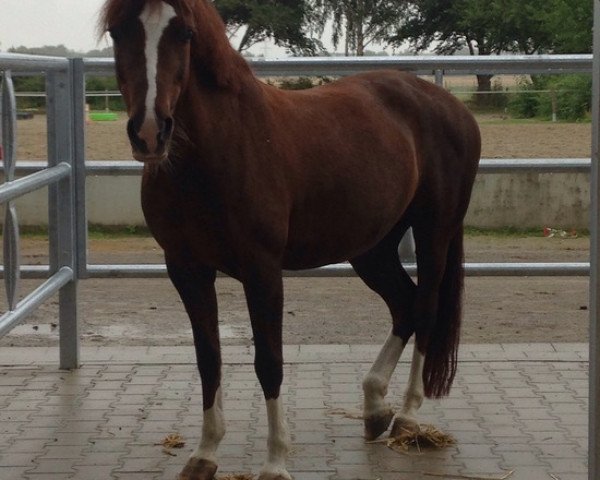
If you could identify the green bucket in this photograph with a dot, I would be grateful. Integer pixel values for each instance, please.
(103, 116)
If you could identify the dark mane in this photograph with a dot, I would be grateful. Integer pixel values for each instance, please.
(115, 12)
(214, 59)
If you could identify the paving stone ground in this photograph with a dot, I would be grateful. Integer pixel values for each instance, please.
(513, 407)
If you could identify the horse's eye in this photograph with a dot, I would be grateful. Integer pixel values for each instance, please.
(113, 33)
(187, 34)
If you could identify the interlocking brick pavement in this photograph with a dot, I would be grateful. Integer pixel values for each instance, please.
(513, 407)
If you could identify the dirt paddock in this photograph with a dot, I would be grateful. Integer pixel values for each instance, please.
(324, 311)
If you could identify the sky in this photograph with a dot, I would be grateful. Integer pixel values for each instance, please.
(72, 23)
(34, 23)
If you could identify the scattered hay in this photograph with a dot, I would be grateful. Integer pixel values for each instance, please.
(425, 437)
(237, 476)
(354, 414)
(173, 440)
(468, 477)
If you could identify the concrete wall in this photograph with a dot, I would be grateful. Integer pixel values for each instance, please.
(499, 200)
(530, 200)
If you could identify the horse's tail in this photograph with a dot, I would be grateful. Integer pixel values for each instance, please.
(442, 349)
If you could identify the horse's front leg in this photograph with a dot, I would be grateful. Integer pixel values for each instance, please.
(264, 294)
(196, 286)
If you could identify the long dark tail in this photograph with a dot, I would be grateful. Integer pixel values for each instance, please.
(442, 349)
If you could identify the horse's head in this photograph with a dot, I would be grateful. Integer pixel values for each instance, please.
(152, 54)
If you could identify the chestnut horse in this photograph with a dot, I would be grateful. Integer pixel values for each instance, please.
(245, 179)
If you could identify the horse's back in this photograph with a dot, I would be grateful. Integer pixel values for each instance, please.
(364, 149)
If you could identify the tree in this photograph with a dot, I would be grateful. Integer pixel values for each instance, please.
(359, 22)
(283, 21)
(49, 50)
(569, 24)
(106, 52)
(61, 51)
(492, 27)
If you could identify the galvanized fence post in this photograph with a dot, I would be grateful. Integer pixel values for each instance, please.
(11, 222)
(594, 393)
(79, 121)
(61, 199)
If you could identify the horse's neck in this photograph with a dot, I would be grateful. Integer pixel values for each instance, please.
(214, 117)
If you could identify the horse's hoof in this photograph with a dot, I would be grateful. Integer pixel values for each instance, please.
(403, 424)
(198, 469)
(270, 472)
(375, 425)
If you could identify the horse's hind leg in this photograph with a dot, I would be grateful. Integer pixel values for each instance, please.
(381, 270)
(436, 317)
(197, 291)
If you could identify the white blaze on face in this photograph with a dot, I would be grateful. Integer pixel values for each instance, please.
(155, 20)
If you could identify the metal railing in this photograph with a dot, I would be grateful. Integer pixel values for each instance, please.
(67, 140)
(424, 65)
(59, 178)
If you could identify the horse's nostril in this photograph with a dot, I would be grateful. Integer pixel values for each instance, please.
(166, 129)
(134, 138)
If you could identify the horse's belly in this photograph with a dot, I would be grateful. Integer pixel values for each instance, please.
(335, 239)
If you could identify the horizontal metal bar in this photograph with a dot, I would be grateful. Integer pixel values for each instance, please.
(26, 306)
(113, 167)
(535, 165)
(35, 181)
(99, 65)
(32, 63)
(486, 165)
(423, 64)
(525, 269)
(471, 270)
(538, 269)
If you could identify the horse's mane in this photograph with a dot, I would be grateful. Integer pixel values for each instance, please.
(212, 53)
(115, 12)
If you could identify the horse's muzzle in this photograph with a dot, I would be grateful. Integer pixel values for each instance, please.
(150, 141)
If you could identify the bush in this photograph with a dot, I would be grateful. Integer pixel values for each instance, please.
(570, 96)
(37, 84)
(302, 83)
(30, 84)
(525, 103)
(103, 84)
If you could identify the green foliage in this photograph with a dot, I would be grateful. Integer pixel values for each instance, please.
(283, 21)
(37, 84)
(573, 98)
(103, 84)
(568, 24)
(359, 22)
(61, 51)
(98, 231)
(569, 96)
(302, 83)
(496, 99)
(525, 26)
(525, 103)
